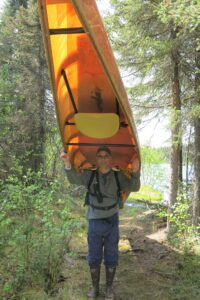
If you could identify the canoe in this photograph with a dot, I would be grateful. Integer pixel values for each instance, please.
(91, 102)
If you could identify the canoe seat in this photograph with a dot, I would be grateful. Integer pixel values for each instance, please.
(97, 125)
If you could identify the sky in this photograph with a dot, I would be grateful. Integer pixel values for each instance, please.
(1, 4)
(154, 134)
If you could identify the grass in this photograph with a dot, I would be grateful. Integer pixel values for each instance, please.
(132, 211)
(146, 193)
(184, 278)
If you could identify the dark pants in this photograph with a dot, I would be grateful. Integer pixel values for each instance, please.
(103, 238)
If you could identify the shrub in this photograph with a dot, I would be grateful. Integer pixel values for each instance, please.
(35, 229)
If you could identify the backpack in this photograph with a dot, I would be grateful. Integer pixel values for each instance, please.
(99, 195)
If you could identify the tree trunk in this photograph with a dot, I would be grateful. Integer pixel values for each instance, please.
(39, 158)
(196, 198)
(176, 148)
(188, 161)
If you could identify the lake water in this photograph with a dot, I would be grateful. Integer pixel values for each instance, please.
(158, 176)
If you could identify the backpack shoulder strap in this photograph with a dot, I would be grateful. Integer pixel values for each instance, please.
(119, 191)
(91, 179)
(117, 181)
(87, 202)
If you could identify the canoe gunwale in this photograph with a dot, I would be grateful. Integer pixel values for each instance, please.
(49, 56)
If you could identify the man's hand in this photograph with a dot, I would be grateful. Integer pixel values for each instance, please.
(65, 158)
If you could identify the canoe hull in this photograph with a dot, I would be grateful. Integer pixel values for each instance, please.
(85, 79)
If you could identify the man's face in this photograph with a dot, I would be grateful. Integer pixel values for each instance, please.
(103, 159)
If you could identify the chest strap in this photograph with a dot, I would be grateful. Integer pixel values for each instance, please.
(103, 207)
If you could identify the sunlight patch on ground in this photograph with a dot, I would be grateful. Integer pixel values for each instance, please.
(159, 236)
(126, 219)
(124, 245)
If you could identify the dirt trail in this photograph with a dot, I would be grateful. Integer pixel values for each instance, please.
(140, 275)
(147, 268)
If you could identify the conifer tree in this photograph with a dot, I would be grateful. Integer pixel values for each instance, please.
(24, 88)
(149, 49)
(185, 15)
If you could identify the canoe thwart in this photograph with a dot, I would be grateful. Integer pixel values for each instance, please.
(76, 30)
(63, 73)
(100, 145)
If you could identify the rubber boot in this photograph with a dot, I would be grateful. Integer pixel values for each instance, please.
(95, 275)
(110, 274)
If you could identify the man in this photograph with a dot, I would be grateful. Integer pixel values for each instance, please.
(103, 220)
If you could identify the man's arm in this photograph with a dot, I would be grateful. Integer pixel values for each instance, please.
(72, 175)
(78, 178)
(130, 184)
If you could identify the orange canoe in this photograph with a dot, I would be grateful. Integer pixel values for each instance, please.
(91, 102)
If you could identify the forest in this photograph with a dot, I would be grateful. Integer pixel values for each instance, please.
(43, 230)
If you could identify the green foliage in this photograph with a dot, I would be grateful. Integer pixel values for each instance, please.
(184, 277)
(180, 220)
(24, 98)
(52, 151)
(182, 231)
(146, 193)
(12, 6)
(152, 155)
(183, 13)
(196, 111)
(180, 216)
(142, 42)
(35, 230)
